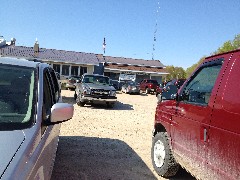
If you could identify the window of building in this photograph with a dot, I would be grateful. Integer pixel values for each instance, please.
(83, 70)
(65, 70)
(74, 70)
(56, 67)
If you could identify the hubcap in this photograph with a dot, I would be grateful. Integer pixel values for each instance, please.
(159, 153)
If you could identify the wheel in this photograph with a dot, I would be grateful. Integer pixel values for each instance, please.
(75, 95)
(162, 157)
(159, 97)
(147, 91)
(78, 100)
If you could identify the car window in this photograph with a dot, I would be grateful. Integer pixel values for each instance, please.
(17, 86)
(96, 79)
(56, 89)
(198, 89)
(48, 98)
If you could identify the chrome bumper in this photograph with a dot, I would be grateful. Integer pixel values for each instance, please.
(102, 99)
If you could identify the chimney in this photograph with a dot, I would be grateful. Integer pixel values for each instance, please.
(13, 41)
(36, 48)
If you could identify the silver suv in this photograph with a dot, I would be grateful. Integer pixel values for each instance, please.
(94, 88)
(30, 115)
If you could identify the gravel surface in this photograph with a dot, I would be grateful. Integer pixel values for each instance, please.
(104, 143)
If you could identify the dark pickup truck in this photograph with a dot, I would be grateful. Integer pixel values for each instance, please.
(149, 86)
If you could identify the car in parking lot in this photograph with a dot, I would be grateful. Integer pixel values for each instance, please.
(198, 127)
(30, 115)
(95, 89)
(131, 87)
(149, 86)
(169, 89)
(71, 82)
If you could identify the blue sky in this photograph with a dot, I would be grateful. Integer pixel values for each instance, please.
(186, 30)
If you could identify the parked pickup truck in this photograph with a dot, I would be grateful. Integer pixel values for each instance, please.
(95, 89)
(198, 127)
(148, 86)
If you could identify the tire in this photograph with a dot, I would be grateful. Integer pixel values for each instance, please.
(78, 100)
(147, 91)
(159, 97)
(75, 96)
(162, 158)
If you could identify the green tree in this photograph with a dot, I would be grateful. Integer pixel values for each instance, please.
(190, 70)
(236, 42)
(227, 46)
(175, 73)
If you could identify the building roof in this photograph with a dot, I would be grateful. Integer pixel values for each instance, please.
(62, 56)
(129, 61)
(50, 55)
(133, 68)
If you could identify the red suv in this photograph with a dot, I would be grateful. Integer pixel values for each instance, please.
(148, 85)
(199, 127)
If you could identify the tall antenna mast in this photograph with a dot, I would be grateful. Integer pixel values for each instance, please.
(104, 45)
(155, 30)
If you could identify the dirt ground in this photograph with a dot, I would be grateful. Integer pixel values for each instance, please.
(108, 144)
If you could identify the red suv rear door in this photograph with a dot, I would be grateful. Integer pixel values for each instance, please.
(224, 133)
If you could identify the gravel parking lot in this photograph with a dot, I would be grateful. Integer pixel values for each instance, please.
(103, 143)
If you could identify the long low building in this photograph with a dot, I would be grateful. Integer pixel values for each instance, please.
(69, 63)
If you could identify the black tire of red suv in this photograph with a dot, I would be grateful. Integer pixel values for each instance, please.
(169, 166)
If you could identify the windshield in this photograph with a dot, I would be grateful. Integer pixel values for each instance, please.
(132, 83)
(16, 96)
(152, 81)
(96, 79)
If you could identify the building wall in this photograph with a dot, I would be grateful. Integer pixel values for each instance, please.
(140, 77)
(90, 69)
(158, 78)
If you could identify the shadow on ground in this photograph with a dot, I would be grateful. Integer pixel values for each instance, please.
(117, 106)
(69, 100)
(81, 157)
(98, 158)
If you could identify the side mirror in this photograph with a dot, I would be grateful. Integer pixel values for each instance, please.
(61, 112)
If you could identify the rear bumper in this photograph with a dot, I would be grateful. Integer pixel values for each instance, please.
(152, 90)
(134, 91)
(70, 86)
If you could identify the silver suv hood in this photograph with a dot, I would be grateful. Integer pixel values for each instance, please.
(98, 86)
(10, 142)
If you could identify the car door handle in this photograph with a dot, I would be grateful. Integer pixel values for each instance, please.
(205, 134)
